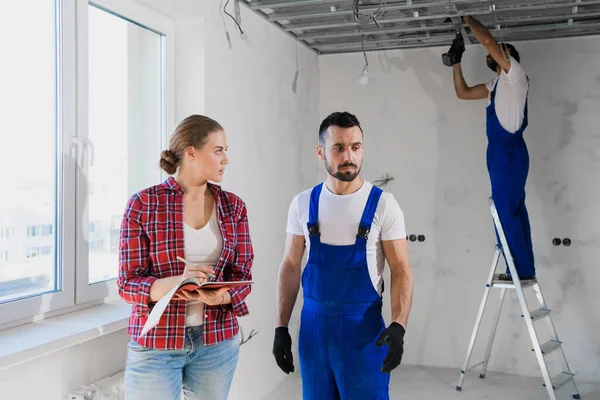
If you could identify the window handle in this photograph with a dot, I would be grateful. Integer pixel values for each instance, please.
(77, 151)
(88, 145)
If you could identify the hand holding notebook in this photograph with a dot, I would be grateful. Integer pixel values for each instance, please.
(194, 283)
(190, 283)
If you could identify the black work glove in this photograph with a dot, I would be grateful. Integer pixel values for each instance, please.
(282, 349)
(458, 47)
(394, 337)
(454, 54)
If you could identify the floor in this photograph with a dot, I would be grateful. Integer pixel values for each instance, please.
(431, 383)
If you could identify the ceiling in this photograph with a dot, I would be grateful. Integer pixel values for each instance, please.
(330, 26)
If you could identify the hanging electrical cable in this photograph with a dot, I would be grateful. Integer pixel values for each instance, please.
(225, 25)
(364, 18)
(384, 181)
(370, 16)
(242, 33)
(363, 79)
(297, 74)
(236, 11)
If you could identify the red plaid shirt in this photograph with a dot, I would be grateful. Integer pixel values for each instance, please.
(152, 238)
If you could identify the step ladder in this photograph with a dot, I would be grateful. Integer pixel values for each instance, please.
(552, 384)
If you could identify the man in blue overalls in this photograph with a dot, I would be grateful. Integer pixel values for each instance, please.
(351, 227)
(507, 156)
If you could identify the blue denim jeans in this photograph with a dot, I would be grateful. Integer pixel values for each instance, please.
(200, 372)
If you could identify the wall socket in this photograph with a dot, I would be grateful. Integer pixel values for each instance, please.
(413, 238)
(565, 242)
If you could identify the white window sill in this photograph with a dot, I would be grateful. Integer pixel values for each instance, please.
(26, 342)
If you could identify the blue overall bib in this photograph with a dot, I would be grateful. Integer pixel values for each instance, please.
(341, 318)
(508, 166)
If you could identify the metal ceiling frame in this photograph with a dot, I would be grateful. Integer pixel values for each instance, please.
(443, 39)
(328, 26)
(355, 32)
(348, 11)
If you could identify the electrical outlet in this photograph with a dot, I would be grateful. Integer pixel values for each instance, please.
(413, 238)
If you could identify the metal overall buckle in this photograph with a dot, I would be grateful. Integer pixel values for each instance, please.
(363, 232)
(313, 230)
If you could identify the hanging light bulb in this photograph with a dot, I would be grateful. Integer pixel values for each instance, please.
(363, 79)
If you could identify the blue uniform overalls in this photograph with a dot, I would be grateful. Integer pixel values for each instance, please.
(508, 166)
(341, 317)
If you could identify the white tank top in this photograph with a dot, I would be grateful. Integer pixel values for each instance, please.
(202, 246)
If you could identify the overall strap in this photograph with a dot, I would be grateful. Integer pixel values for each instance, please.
(369, 213)
(493, 95)
(525, 113)
(313, 215)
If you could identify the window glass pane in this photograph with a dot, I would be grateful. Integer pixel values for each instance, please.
(125, 127)
(28, 109)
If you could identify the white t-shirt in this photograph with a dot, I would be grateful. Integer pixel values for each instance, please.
(339, 218)
(511, 95)
(202, 246)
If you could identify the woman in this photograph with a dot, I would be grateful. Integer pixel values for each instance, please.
(194, 347)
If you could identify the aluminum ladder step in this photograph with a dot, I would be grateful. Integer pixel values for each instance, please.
(497, 283)
(550, 346)
(538, 314)
(560, 380)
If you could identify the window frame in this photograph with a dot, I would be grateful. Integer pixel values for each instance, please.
(142, 16)
(72, 265)
(37, 306)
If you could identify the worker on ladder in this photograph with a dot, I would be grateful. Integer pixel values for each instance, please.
(507, 156)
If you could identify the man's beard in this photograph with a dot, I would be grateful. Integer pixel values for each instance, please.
(343, 176)
(492, 64)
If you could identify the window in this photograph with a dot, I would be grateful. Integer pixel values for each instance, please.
(32, 252)
(32, 231)
(39, 230)
(96, 245)
(129, 89)
(114, 240)
(47, 230)
(5, 256)
(88, 89)
(38, 251)
(28, 78)
(7, 232)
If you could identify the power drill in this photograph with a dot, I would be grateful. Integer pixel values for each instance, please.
(454, 54)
